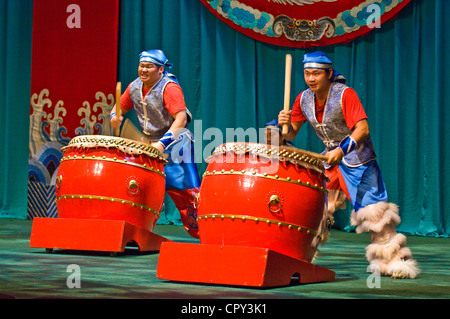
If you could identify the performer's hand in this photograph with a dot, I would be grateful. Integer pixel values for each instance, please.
(159, 147)
(116, 121)
(335, 156)
(284, 117)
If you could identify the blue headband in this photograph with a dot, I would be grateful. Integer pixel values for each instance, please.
(319, 60)
(156, 57)
(273, 124)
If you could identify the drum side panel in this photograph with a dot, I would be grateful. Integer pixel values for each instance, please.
(102, 189)
(243, 201)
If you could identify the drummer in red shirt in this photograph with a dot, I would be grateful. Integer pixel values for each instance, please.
(335, 113)
(159, 103)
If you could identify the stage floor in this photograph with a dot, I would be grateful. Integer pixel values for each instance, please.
(29, 273)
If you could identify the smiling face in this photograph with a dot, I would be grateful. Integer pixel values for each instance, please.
(318, 80)
(149, 73)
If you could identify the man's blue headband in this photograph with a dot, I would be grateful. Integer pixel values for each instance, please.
(317, 60)
(156, 57)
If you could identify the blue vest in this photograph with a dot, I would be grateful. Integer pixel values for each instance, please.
(333, 128)
(154, 119)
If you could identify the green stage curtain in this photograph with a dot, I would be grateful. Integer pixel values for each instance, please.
(15, 69)
(232, 81)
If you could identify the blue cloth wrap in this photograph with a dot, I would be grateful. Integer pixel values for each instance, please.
(347, 145)
(167, 139)
(365, 184)
(181, 170)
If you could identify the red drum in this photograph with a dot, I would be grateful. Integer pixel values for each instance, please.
(111, 178)
(256, 196)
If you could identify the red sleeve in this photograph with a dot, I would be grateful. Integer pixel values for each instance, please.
(297, 114)
(173, 98)
(352, 108)
(125, 100)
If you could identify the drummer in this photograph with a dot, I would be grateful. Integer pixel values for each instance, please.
(158, 100)
(337, 116)
(273, 136)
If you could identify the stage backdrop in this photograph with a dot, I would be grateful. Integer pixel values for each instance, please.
(73, 77)
(233, 81)
(304, 23)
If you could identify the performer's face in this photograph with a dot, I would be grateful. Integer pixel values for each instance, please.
(273, 137)
(317, 79)
(149, 73)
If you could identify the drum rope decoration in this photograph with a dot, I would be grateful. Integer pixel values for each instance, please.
(289, 154)
(126, 146)
(261, 196)
(111, 178)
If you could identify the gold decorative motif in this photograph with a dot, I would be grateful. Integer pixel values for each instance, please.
(268, 222)
(88, 118)
(110, 199)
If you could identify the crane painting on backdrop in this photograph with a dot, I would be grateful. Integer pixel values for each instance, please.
(73, 78)
(304, 23)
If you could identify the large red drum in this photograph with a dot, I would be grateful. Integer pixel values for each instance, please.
(256, 196)
(111, 178)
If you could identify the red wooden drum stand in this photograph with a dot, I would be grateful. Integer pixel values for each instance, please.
(109, 192)
(261, 212)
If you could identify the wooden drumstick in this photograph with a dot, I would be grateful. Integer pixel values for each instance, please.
(313, 154)
(118, 93)
(287, 89)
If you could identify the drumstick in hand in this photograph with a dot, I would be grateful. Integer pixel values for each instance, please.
(118, 93)
(287, 89)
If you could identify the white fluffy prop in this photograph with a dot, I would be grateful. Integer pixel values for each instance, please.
(388, 251)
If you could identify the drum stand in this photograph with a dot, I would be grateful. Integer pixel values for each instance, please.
(235, 265)
(91, 234)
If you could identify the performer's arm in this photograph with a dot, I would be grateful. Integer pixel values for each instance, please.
(294, 127)
(360, 131)
(356, 120)
(359, 134)
(125, 105)
(294, 118)
(179, 123)
(174, 103)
